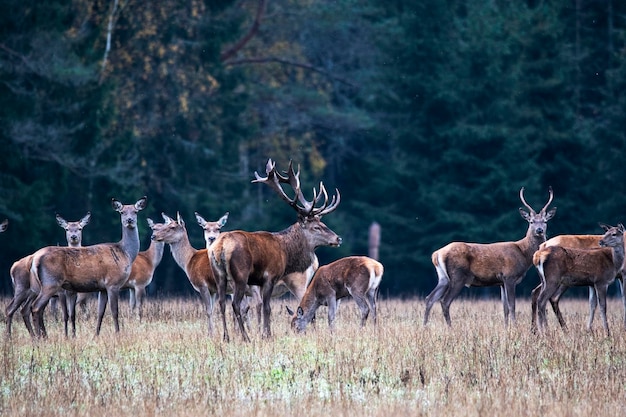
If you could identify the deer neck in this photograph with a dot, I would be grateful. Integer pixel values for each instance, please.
(130, 242)
(155, 251)
(182, 251)
(530, 244)
(618, 256)
(300, 254)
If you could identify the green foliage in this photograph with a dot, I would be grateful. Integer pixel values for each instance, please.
(428, 118)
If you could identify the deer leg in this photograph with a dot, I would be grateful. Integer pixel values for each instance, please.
(114, 297)
(547, 291)
(54, 308)
(554, 302)
(331, 300)
(266, 296)
(601, 293)
(62, 299)
(372, 295)
(39, 306)
(533, 297)
(435, 295)
(208, 305)
(362, 304)
(449, 296)
(140, 294)
(26, 312)
(593, 302)
(18, 299)
(238, 294)
(102, 306)
(71, 308)
(132, 299)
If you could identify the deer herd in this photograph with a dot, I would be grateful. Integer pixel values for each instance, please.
(254, 267)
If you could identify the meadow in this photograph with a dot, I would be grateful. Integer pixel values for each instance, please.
(167, 365)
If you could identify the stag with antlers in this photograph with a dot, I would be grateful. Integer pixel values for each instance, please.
(263, 258)
(503, 264)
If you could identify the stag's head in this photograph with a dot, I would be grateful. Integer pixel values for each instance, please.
(74, 230)
(538, 222)
(309, 212)
(171, 231)
(211, 229)
(129, 212)
(613, 236)
(3, 225)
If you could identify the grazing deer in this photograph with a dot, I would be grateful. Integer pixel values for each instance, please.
(503, 264)
(20, 277)
(264, 258)
(356, 276)
(104, 267)
(194, 262)
(578, 242)
(561, 267)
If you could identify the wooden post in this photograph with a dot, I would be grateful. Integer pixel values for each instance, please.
(374, 240)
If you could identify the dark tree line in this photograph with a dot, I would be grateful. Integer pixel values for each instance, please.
(428, 117)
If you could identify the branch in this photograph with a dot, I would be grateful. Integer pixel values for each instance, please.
(243, 41)
(309, 67)
(108, 44)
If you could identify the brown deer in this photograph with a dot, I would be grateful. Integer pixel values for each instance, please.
(263, 258)
(563, 267)
(356, 276)
(142, 271)
(578, 242)
(74, 236)
(501, 264)
(103, 267)
(194, 262)
(20, 277)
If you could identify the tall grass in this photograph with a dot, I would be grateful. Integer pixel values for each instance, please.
(167, 365)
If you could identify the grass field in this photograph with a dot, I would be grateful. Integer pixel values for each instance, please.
(167, 365)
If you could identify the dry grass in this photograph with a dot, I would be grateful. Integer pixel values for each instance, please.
(167, 365)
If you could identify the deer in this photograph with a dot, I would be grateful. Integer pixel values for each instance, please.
(356, 276)
(563, 267)
(74, 236)
(142, 271)
(264, 258)
(194, 262)
(4, 225)
(503, 264)
(103, 268)
(579, 242)
(20, 277)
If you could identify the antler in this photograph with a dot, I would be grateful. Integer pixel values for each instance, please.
(549, 200)
(304, 208)
(521, 196)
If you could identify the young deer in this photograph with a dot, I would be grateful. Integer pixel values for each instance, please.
(20, 277)
(264, 258)
(194, 262)
(356, 276)
(577, 242)
(560, 267)
(104, 267)
(74, 236)
(142, 271)
(503, 264)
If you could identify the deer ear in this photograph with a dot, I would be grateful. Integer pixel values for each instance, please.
(222, 221)
(150, 223)
(141, 203)
(167, 218)
(61, 221)
(117, 206)
(604, 226)
(551, 214)
(524, 214)
(200, 219)
(85, 220)
(289, 311)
